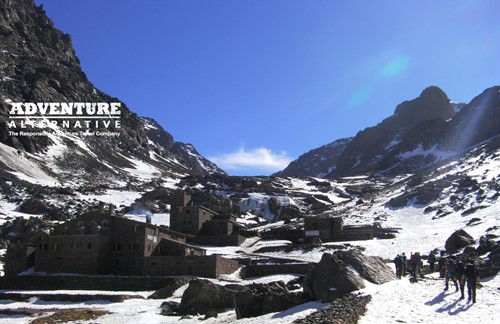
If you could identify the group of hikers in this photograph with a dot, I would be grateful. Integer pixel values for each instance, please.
(450, 268)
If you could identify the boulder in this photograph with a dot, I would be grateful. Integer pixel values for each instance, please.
(169, 308)
(203, 296)
(34, 206)
(459, 239)
(330, 278)
(370, 268)
(486, 244)
(168, 291)
(259, 299)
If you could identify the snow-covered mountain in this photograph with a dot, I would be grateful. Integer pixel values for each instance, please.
(318, 162)
(420, 133)
(39, 65)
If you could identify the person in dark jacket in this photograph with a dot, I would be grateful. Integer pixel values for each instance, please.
(403, 259)
(398, 262)
(449, 266)
(472, 275)
(460, 276)
(432, 261)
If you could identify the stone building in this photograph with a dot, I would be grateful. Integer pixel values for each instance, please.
(330, 228)
(189, 219)
(322, 226)
(100, 244)
(202, 225)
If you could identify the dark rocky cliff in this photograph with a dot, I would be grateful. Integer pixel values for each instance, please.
(39, 64)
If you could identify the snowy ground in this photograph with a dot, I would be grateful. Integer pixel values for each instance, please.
(395, 302)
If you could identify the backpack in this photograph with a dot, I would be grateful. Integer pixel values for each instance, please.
(471, 271)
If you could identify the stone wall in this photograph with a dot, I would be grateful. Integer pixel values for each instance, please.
(218, 240)
(108, 283)
(345, 310)
(203, 266)
(259, 270)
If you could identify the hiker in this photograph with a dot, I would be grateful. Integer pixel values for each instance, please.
(403, 259)
(449, 266)
(413, 266)
(472, 275)
(441, 267)
(398, 262)
(432, 261)
(460, 276)
(418, 265)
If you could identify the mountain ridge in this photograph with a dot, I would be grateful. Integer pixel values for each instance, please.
(420, 132)
(40, 65)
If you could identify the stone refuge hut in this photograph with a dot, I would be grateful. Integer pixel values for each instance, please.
(98, 243)
(330, 228)
(204, 226)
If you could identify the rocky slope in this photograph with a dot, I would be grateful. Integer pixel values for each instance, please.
(39, 64)
(421, 132)
(317, 162)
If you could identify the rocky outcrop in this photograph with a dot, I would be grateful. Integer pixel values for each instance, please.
(459, 239)
(203, 296)
(331, 279)
(342, 272)
(317, 162)
(371, 268)
(476, 122)
(168, 291)
(260, 299)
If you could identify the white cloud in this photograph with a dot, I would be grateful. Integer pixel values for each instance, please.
(258, 159)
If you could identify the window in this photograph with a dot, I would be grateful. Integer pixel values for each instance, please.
(137, 228)
(78, 245)
(132, 261)
(46, 247)
(89, 246)
(134, 247)
(59, 258)
(117, 261)
(187, 211)
(104, 223)
(57, 246)
(118, 247)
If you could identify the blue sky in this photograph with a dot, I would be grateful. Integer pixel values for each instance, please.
(253, 84)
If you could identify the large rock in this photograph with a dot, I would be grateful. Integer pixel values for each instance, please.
(371, 268)
(34, 206)
(259, 299)
(459, 239)
(203, 296)
(169, 290)
(330, 279)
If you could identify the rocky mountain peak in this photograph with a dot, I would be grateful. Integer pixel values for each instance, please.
(421, 131)
(38, 65)
(431, 103)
